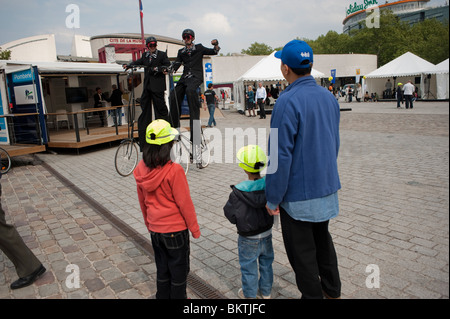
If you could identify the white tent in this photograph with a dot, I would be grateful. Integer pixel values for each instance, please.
(406, 67)
(442, 82)
(267, 70)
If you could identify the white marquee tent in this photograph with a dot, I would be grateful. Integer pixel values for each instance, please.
(406, 67)
(268, 71)
(442, 81)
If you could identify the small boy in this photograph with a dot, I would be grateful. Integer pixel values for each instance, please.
(246, 209)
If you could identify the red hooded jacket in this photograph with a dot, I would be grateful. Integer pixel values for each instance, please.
(165, 199)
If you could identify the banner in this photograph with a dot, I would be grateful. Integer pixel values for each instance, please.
(208, 74)
(333, 75)
(4, 137)
(25, 94)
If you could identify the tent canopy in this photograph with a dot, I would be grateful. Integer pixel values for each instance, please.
(440, 68)
(268, 69)
(69, 67)
(407, 64)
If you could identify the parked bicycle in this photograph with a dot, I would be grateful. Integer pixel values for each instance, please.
(5, 161)
(127, 154)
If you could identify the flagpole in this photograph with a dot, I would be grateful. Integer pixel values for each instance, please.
(141, 13)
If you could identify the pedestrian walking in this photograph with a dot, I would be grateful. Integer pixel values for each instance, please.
(211, 99)
(261, 96)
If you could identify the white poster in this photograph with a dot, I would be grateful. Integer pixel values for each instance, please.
(25, 94)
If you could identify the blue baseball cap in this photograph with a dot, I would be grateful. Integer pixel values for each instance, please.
(296, 54)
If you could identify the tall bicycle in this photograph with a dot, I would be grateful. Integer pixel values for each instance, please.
(183, 149)
(127, 154)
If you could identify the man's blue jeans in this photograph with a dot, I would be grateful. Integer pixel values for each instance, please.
(211, 109)
(250, 252)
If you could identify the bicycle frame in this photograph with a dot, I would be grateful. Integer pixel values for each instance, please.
(127, 155)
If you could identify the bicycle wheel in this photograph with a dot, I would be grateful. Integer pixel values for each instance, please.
(126, 158)
(5, 161)
(180, 154)
(206, 154)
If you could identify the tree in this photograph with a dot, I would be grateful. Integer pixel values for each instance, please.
(5, 54)
(388, 42)
(429, 40)
(258, 49)
(331, 43)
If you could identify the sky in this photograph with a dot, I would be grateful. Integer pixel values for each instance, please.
(235, 23)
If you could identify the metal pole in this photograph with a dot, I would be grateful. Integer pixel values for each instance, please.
(141, 13)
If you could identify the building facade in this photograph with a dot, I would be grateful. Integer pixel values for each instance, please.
(410, 11)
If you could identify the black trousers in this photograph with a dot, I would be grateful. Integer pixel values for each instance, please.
(101, 115)
(311, 253)
(13, 246)
(189, 88)
(408, 101)
(172, 264)
(262, 111)
(146, 117)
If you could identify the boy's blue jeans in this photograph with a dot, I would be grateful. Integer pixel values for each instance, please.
(250, 252)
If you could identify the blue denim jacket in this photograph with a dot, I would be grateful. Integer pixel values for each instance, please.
(306, 117)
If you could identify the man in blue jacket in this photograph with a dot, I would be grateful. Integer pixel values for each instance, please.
(303, 189)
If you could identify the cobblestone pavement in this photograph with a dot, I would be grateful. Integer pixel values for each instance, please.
(394, 213)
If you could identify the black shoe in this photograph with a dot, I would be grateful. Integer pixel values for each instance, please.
(28, 280)
(200, 166)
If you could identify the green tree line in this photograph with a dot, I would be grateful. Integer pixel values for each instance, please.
(428, 39)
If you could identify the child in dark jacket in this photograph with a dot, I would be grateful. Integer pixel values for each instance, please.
(246, 209)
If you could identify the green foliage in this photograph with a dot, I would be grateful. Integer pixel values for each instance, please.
(5, 54)
(428, 39)
(258, 49)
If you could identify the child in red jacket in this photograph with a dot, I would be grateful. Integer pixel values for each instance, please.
(168, 211)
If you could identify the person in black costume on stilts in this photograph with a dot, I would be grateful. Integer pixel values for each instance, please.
(156, 63)
(190, 57)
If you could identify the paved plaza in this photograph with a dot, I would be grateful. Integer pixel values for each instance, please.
(391, 236)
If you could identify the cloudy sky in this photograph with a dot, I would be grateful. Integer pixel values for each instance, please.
(236, 23)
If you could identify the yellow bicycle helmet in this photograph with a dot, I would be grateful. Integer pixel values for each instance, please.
(252, 158)
(160, 132)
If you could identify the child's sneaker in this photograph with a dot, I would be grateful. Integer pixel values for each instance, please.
(241, 294)
(261, 296)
